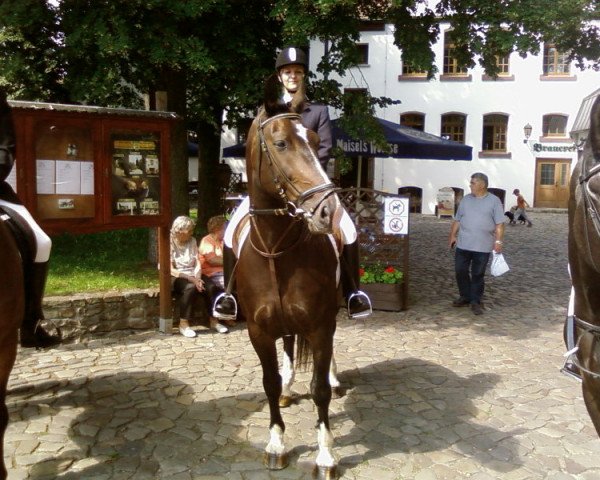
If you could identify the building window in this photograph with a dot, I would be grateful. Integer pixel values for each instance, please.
(453, 126)
(555, 62)
(450, 62)
(547, 174)
(503, 63)
(363, 53)
(554, 126)
(413, 120)
(412, 72)
(495, 127)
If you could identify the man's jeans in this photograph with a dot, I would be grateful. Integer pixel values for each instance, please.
(470, 271)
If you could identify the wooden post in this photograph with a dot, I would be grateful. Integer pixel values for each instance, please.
(164, 259)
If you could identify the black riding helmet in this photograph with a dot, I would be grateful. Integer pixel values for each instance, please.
(291, 56)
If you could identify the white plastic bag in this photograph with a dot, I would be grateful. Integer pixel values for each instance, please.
(499, 265)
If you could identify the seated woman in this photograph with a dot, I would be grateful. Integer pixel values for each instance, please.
(211, 259)
(186, 279)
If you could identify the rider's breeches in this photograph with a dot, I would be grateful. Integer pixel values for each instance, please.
(44, 244)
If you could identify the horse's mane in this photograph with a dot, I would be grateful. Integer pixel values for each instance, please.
(273, 103)
(594, 132)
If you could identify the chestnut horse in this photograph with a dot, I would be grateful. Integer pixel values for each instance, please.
(287, 269)
(583, 327)
(12, 294)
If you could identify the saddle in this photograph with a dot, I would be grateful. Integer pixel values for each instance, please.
(23, 234)
(242, 230)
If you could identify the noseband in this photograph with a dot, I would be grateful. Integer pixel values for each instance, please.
(282, 182)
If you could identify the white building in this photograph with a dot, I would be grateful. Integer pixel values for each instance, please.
(489, 115)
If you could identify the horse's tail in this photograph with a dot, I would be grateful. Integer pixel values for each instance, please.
(303, 353)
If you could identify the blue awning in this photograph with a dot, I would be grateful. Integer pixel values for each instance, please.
(404, 142)
(238, 150)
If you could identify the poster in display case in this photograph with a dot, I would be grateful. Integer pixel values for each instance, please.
(64, 170)
(135, 176)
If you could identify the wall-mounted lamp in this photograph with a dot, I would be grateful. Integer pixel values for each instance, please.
(527, 129)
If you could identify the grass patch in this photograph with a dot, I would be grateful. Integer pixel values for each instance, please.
(115, 260)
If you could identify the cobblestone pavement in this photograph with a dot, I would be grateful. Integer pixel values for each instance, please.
(432, 393)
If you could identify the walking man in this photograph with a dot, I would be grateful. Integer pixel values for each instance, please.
(478, 228)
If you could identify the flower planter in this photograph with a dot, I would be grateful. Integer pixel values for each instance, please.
(384, 296)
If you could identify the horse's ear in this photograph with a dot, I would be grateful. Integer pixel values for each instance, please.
(299, 98)
(313, 140)
(273, 104)
(594, 134)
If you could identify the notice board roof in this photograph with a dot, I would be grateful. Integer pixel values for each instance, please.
(104, 111)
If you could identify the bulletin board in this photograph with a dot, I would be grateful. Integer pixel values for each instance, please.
(82, 169)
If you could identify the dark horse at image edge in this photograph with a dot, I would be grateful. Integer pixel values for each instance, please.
(12, 293)
(286, 273)
(582, 331)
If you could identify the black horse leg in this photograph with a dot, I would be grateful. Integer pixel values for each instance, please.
(287, 371)
(7, 360)
(276, 455)
(326, 463)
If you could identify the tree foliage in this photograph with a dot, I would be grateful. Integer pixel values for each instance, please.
(211, 55)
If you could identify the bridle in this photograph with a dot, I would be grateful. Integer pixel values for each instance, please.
(283, 183)
(573, 322)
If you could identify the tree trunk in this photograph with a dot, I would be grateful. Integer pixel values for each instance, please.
(171, 96)
(209, 149)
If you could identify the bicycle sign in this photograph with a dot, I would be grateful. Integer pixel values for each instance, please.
(395, 220)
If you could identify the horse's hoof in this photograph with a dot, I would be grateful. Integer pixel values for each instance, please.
(285, 401)
(274, 461)
(325, 473)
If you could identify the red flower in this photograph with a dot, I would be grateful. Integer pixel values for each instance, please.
(390, 269)
(361, 271)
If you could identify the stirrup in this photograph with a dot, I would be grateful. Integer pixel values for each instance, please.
(363, 296)
(225, 316)
(571, 370)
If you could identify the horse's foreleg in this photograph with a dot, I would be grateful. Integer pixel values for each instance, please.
(7, 360)
(333, 379)
(326, 462)
(276, 456)
(287, 371)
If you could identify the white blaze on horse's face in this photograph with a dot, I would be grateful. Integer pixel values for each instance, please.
(302, 132)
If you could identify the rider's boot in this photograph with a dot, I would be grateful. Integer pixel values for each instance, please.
(225, 306)
(32, 334)
(359, 304)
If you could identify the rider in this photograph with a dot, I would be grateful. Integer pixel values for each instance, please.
(292, 66)
(32, 334)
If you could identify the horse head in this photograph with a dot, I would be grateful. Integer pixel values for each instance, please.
(284, 173)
